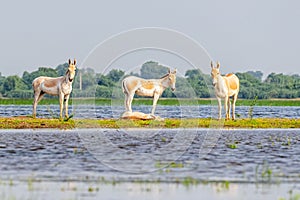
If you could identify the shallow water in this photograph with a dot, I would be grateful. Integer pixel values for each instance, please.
(145, 154)
(131, 191)
(90, 111)
(86, 163)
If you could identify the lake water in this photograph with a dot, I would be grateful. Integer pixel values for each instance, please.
(86, 163)
(102, 112)
(149, 163)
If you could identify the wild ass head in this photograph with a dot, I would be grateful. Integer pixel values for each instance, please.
(172, 79)
(71, 70)
(215, 72)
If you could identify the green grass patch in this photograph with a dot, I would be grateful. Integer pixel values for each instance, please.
(31, 123)
(268, 102)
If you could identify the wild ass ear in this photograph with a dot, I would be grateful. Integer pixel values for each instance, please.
(74, 61)
(218, 65)
(211, 64)
(69, 61)
(169, 71)
(174, 72)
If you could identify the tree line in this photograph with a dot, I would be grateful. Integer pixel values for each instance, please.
(89, 83)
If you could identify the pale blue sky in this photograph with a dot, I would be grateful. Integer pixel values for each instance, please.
(242, 35)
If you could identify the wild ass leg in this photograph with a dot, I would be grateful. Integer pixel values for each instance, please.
(226, 107)
(38, 95)
(234, 98)
(67, 105)
(129, 102)
(219, 107)
(35, 102)
(41, 96)
(155, 99)
(126, 102)
(61, 105)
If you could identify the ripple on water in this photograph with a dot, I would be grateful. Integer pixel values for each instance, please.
(62, 154)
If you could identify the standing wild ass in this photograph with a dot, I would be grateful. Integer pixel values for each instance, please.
(147, 87)
(225, 87)
(60, 86)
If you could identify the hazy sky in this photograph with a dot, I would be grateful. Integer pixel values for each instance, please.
(242, 35)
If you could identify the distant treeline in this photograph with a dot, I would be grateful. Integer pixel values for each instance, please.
(88, 83)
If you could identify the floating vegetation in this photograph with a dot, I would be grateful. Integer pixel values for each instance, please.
(232, 145)
(163, 139)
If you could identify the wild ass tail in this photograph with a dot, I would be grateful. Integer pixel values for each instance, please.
(124, 87)
(34, 84)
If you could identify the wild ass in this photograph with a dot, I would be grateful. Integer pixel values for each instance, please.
(147, 87)
(60, 86)
(225, 87)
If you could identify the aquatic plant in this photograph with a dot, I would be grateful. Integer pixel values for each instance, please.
(11, 183)
(251, 106)
(291, 196)
(188, 181)
(30, 184)
(287, 142)
(93, 189)
(232, 145)
(223, 186)
(265, 173)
